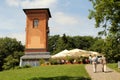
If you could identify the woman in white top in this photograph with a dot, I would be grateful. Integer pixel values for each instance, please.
(94, 63)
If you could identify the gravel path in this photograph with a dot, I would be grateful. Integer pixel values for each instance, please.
(99, 75)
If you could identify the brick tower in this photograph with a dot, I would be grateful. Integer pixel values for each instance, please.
(36, 36)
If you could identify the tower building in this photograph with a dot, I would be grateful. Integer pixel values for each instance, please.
(36, 45)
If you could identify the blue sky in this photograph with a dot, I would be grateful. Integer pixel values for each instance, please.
(68, 16)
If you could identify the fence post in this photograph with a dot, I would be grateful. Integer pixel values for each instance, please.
(118, 64)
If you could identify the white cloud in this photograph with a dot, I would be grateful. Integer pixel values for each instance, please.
(19, 36)
(65, 19)
(11, 28)
(37, 3)
(8, 24)
(11, 24)
(60, 22)
(13, 2)
(63, 23)
(31, 3)
(72, 25)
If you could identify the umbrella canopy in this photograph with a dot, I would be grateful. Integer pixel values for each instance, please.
(94, 53)
(74, 53)
(63, 53)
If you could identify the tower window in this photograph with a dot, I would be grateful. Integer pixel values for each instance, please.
(35, 23)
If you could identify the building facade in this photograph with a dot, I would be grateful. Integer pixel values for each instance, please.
(37, 30)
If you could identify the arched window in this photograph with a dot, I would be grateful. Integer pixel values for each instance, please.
(35, 23)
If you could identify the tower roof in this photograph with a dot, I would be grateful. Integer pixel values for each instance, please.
(34, 9)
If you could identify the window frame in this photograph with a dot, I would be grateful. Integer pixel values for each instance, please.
(35, 23)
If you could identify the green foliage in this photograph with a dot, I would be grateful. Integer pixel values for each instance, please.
(80, 59)
(98, 46)
(23, 67)
(54, 61)
(42, 61)
(10, 62)
(26, 66)
(106, 14)
(60, 78)
(52, 40)
(10, 52)
(112, 49)
(57, 43)
(110, 46)
(54, 72)
(18, 67)
(114, 66)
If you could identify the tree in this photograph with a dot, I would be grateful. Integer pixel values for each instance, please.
(12, 61)
(112, 49)
(98, 46)
(52, 41)
(106, 14)
(83, 42)
(58, 43)
(8, 47)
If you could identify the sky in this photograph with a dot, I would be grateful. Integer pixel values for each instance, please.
(68, 16)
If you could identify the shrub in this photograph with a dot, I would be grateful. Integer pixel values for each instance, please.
(18, 67)
(27, 66)
(53, 61)
(42, 61)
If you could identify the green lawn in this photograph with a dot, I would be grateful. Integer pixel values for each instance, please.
(114, 66)
(52, 72)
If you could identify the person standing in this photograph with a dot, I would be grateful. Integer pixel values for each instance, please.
(103, 62)
(90, 59)
(94, 63)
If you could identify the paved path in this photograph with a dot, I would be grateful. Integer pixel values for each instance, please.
(99, 75)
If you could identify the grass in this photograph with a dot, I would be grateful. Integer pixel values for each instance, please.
(114, 66)
(52, 72)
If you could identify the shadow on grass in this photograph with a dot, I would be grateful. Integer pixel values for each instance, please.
(60, 78)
